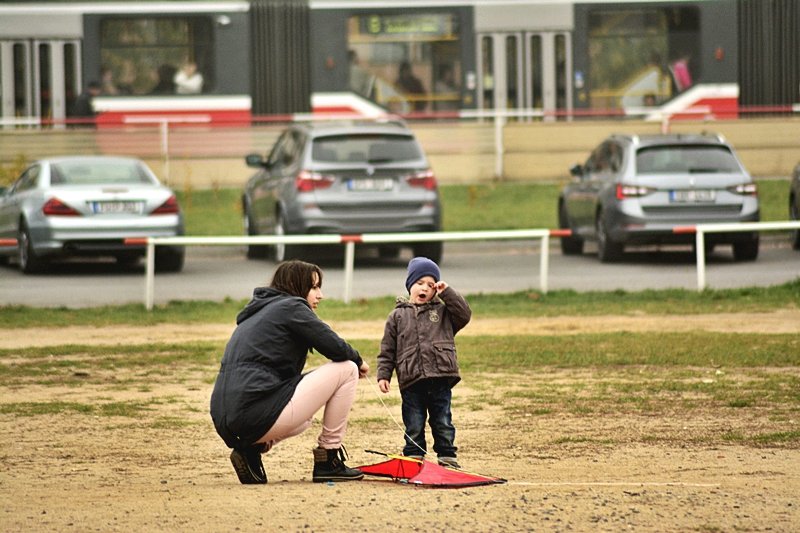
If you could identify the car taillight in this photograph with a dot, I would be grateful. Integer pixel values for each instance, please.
(745, 189)
(632, 191)
(308, 181)
(425, 179)
(170, 207)
(55, 207)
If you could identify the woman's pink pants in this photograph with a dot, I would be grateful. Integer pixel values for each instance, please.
(332, 385)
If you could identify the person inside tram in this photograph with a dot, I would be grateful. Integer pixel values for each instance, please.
(188, 79)
(84, 104)
(361, 81)
(681, 74)
(446, 90)
(107, 80)
(165, 83)
(411, 86)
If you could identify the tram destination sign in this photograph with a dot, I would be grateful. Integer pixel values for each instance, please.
(433, 24)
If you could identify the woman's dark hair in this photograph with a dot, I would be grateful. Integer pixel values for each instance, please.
(296, 277)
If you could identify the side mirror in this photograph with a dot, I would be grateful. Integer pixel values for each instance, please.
(255, 161)
(576, 170)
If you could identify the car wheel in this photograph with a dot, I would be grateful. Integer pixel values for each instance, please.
(29, 262)
(607, 250)
(746, 250)
(569, 245)
(284, 252)
(169, 259)
(431, 250)
(794, 214)
(254, 251)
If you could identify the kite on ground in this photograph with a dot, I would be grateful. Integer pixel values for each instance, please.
(420, 472)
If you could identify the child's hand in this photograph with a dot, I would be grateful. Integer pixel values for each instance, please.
(440, 286)
(383, 384)
(363, 370)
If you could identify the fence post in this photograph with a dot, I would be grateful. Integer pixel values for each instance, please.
(499, 121)
(164, 130)
(149, 277)
(544, 261)
(349, 260)
(700, 250)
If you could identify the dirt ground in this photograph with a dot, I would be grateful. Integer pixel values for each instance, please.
(168, 471)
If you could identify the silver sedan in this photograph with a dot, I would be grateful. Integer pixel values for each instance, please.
(88, 206)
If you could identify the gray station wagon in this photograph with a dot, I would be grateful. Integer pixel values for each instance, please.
(635, 190)
(345, 178)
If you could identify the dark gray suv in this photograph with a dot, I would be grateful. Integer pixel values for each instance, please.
(635, 189)
(349, 177)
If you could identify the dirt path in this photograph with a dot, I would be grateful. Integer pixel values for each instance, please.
(783, 321)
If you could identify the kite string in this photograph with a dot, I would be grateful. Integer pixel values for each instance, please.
(378, 394)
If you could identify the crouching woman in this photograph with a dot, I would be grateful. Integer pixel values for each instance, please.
(261, 395)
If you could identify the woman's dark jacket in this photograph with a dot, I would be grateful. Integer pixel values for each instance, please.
(263, 363)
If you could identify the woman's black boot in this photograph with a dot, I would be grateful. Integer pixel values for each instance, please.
(248, 465)
(329, 466)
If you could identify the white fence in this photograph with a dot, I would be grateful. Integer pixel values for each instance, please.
(701, 229)
(349, 242)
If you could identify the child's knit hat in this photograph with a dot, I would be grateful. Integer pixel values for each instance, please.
(420, 267)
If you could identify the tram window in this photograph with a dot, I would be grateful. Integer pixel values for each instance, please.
(380, 43)
(45, 81)
(22, 105)
(143, 55)
(487, 71)
(511, 72)
(537, 101)
(71, 89)
(634, 54)
(561, 71)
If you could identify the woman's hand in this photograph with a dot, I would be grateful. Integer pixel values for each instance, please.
(383, 384)
(363, 370)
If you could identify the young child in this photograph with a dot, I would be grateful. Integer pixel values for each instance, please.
(419, 344)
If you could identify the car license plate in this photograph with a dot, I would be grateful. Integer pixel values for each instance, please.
(370, 184)
(117, 208)
(692, 196)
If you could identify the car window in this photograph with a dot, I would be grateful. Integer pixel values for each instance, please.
(28, 180)
(98, 172)
(286, 151)
(685, 158)
(599, 159)
(372, 148)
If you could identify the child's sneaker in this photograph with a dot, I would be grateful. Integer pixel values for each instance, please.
(449, 462)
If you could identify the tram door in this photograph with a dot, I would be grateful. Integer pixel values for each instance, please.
(525, 70)
(38, 79)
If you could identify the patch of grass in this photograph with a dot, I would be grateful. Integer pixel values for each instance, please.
(487, 206)
(608, 350)
(211, 212)
(527, 304)
(77, 365)
(128, 409)
(171, 422)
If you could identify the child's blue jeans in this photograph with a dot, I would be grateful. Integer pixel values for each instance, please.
(429, 397)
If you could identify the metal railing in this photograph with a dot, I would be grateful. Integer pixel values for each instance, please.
(701, 229)
(349, 242)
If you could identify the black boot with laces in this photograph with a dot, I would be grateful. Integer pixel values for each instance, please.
(329, 466)
(248, 465)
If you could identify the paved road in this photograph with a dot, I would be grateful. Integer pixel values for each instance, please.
(216, 273)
